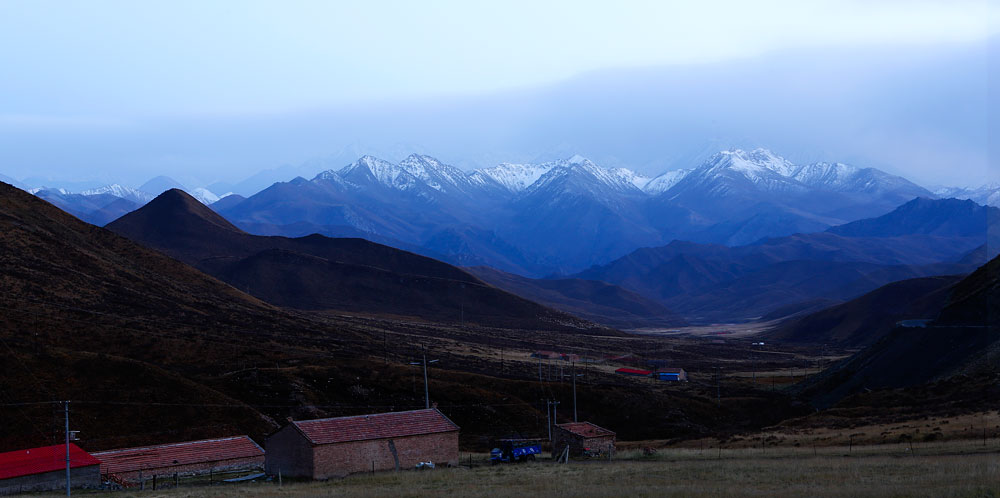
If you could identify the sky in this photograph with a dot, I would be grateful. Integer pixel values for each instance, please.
(120, 91)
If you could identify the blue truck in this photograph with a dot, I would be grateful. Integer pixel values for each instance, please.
(515, 451)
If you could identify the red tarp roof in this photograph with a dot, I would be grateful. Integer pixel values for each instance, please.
(586, 429)
(46, 459)
(375, 426)
(632, 371)
(186, 453)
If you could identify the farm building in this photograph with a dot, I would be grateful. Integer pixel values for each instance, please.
(44, 469)
(634, 372)
(335, 447)
(189, 458)
(581, 436)
(677, 374)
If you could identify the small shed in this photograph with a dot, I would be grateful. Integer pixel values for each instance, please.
(580, 437)
(44, 469)
(633, 372)
(188, 458)
(674, 374)
(335, 447)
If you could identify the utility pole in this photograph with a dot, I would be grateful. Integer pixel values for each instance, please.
(753, 359)
(548, 420)
(66, 413)
(718, 390)
(553, 404)
(427, 393)
(574, 391)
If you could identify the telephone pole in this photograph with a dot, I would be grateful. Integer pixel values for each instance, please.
(427, 393)
(574, 391)
(554, 406)
(66, 413)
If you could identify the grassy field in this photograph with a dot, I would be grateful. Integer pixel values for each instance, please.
(939, 470)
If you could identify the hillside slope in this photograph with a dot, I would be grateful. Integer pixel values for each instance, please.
(963, 339)
(863, 320)
(321, 273)
(599, 302)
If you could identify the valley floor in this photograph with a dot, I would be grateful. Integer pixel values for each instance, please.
(957, 468)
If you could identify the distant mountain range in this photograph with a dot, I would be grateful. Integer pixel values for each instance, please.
(326, 274)
(785, 275)
(557, 217)
(565, 215)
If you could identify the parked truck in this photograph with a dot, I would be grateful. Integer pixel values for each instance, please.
(515, 451)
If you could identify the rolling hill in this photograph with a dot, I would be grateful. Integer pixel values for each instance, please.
(866, 319)
(964, 339)
(596, 301)
(706, 283)
(321, 273)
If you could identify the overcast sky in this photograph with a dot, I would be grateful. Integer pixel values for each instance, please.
(122, 91)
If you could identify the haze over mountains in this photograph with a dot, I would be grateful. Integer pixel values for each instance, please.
(763, 237)
(538, 219)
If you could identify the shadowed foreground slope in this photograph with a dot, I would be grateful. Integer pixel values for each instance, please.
(322, 273)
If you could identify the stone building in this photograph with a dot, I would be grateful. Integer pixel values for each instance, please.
(230, 454)
(580, 437)
(335, 447)
(44, 469)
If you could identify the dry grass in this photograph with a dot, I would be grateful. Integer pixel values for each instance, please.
(736, 473)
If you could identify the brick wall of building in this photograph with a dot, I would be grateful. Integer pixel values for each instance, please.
(561, 438)
(340, 459)
(290, 452)
(201, 468)
(80, 477)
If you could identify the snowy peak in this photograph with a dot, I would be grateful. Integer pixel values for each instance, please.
(752, 163)
(987, 195)
(513, 177)
(578, 173)
(829, 174)
(134, 195)
(665, 181)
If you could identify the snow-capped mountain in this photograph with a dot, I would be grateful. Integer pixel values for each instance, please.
(734, 170)
(135, 195)
(840, 177)
(988, 194)
(512, 177)
(204, 195)
(571, 212)
(663, 182)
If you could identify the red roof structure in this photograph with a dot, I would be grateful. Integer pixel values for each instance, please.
(168, 455)
(375, 426)
(632, 371)
(45, 459)
(586, 429)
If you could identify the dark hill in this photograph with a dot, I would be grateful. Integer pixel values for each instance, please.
(596, 301)
(88, 315)
(862, 321)
(963, 339)
(710, 283)
(945, 217)
(321, 273)
(151, 350)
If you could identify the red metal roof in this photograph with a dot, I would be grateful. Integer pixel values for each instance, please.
(633, 371)
(186, 453)
(46, 459)
(586, 429)
(375, 426)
